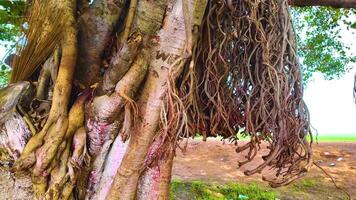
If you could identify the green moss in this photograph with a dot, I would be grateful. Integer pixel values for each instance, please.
(306, 184)
(197, 190)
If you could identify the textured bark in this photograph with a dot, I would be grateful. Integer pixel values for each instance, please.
(154, 182)
(95, 31)
(105, 109)
(113, 161)
(331, 3)
(15, 187)
(14, 132)
(169, 46)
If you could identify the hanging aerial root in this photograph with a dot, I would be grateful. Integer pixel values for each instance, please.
(179, 100)
(245, 78)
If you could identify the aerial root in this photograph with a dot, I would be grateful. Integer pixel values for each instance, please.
(244, 77)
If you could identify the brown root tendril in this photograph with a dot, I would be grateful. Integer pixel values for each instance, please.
(244, 75)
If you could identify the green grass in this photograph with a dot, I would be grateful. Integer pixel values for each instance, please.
(197, 190)
(336, 138)
(306, 184)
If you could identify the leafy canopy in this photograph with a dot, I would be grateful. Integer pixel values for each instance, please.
(11, 13)
(10, 19)
(320, 45)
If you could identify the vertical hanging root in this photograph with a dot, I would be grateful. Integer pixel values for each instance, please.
(248, 77)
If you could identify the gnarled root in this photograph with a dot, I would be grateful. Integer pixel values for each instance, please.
(102, 130)
(151, 101)
(59, 125)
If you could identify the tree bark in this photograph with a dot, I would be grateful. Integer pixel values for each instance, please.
(96, 28)
(169, 47)
(331, 3)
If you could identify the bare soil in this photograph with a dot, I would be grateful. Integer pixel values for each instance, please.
(214, 161)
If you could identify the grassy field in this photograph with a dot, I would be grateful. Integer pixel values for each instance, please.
(307, 188)
(336, 138)
(197, 190)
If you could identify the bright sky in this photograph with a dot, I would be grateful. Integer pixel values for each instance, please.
(331, 105)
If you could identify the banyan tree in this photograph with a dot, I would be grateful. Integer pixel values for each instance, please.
(103, 93)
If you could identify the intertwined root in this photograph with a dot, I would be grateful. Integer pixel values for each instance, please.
(44, 148)
(50, 151)
(247, 77)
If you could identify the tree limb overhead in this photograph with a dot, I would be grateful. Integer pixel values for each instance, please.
(331, 3)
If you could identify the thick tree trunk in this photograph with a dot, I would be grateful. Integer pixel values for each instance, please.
(331, 3)
(114, 140)
(168, 48)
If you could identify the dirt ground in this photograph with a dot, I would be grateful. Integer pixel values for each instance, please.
(214, 161)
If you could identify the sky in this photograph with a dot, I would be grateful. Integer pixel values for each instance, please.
(331, 105)
(330, 102)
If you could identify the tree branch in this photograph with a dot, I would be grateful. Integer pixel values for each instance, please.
(331, 3)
